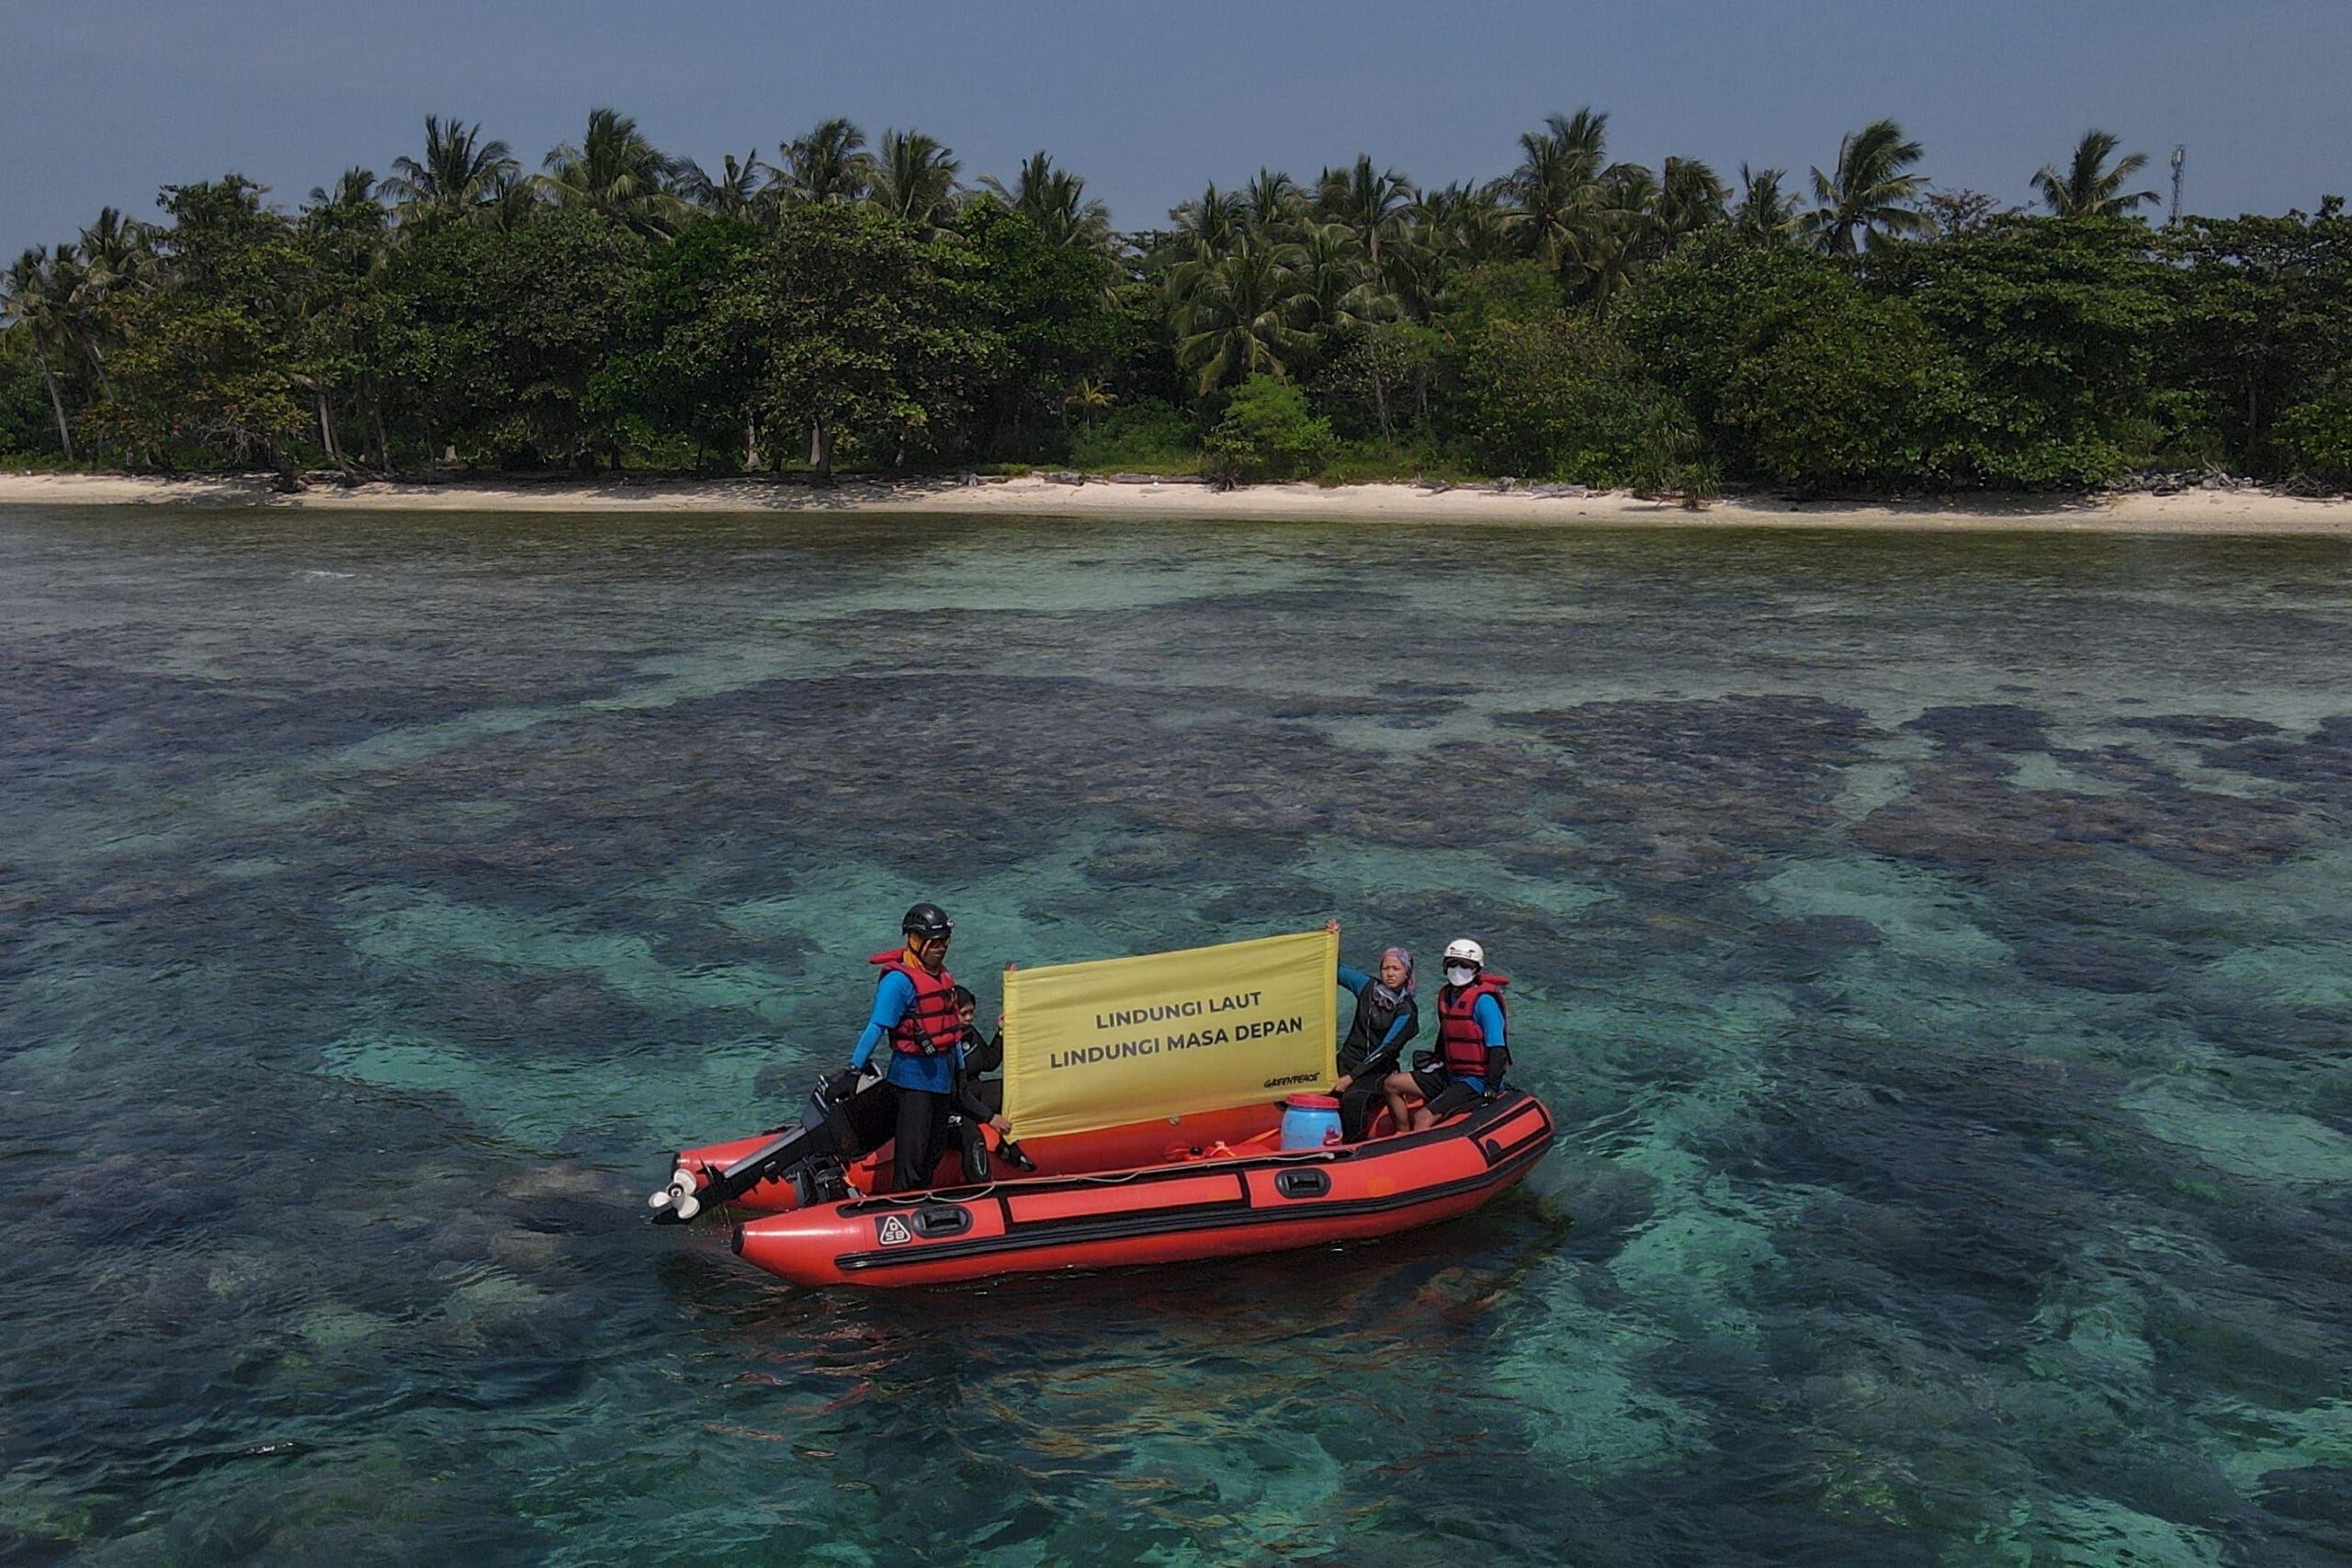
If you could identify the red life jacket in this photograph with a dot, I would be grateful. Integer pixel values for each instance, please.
(1461, 1043)
(930, 1027)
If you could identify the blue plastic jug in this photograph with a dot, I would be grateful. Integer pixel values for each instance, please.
(1310, 1120)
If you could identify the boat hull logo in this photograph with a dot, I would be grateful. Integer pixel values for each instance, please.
(891, 1231)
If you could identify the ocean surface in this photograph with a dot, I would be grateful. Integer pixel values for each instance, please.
(1937, 950)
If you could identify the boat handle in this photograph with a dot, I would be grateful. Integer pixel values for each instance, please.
(941, 1219)
(1301, 1183)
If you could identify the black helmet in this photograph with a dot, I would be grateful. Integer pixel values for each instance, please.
(927, 921)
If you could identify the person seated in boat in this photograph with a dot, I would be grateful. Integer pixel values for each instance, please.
(1473, 1049)
(1386, 1019)
(982, 1052)
(914, 1014)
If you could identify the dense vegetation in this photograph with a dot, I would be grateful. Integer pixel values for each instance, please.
(1574, 318)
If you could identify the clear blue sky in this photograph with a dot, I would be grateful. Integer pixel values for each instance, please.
(101, 101)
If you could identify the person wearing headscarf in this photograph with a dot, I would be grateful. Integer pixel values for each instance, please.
(1386, 1019)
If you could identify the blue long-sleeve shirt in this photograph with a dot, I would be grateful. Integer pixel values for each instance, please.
(1354, 981)
(894, 997)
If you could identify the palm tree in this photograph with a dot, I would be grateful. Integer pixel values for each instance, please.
(1864, 199)
(119, 250)
(1766, 213)
(1690, 198)
(828, 165)
(734, 192)
(1089, 397)
(614, 170)
(116, 257)
(1374, 205)
(2090, 187)
(1242, 313)
(1623, 235)
(1205, 227)
(508, 201)
(1336, 289)
(1054, 200)
(31, 303)
(457, 177)
(1556, 188)
(1467, 225)
(1271, 200)
(915, 179)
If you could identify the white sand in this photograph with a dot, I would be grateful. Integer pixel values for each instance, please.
(2193, 511)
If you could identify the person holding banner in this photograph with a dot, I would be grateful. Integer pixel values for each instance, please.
(1385, 1020)
(914, 1011)
(1472, 1047)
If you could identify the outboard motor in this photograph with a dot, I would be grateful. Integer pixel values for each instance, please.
(842, 1120)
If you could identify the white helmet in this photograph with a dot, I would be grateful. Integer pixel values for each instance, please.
(1462, 950)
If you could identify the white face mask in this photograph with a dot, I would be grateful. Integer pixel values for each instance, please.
(1459, 975)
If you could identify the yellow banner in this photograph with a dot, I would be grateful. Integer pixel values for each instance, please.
(1120, 1040)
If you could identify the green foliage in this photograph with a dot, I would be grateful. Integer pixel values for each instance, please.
(2262, 320)
(2058, 322)
(26, 426)
(553, 301)
(1049, 305)
(674, 376)
(1379, 462)
(1834, 386)
(1690, 320)
(1579, 316)
(1380, 375)
(1555, 395)
(209, 359)
(1147, 438)
(442, 383)
(1517, 290)
(1268, 433)
(862, 329)
(2315, 439)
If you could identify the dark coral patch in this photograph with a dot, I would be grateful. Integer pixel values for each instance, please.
(1999, 726)
(2202, 726)
(1958, 814)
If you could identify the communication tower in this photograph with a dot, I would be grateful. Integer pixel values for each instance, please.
(2179, 161)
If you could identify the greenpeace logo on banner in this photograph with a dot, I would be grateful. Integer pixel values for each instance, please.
(1193, 1039)
(1295, 1077)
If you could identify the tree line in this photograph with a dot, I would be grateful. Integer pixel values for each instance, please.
(848, 303)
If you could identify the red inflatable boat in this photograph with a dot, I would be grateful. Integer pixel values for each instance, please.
(1206, 1185)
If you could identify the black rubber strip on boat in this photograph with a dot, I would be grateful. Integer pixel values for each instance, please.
(1041, 1235)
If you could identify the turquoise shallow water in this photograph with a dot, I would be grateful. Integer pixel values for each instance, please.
(1936, 949)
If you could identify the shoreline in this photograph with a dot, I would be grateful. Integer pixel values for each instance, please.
(2225, 512)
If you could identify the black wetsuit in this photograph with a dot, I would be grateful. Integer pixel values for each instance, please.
(1375, 1040)
(977, 1100)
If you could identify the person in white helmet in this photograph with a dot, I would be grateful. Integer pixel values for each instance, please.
(1473, 1047)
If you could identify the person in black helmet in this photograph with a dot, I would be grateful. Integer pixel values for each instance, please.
(915, 1015)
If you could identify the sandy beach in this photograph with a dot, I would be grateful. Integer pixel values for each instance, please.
(2246, 510)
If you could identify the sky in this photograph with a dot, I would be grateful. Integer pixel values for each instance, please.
(103, 101)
